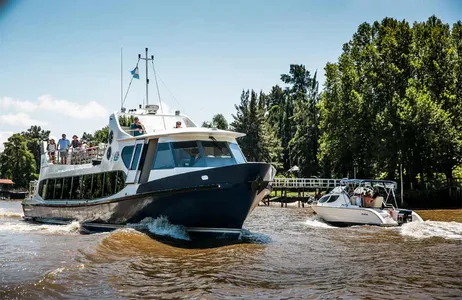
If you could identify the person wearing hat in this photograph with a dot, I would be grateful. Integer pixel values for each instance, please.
(63, 145)
(137, 127)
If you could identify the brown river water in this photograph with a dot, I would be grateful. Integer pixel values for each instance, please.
(288, 254)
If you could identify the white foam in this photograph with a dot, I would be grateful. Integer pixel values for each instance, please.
(28, 227)
(162, 226)
(429, 229)
(9, 214)
(316, 221)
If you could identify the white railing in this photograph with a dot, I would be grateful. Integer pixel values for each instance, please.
(313, 183)
(76, 156)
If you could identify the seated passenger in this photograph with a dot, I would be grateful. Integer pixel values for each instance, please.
(178, 124)
(137, 127)
(195, 157)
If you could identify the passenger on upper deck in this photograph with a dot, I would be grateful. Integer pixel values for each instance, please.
(51, 148)
(137, 127)
(75, 142)
(178, 124)
(63, 145)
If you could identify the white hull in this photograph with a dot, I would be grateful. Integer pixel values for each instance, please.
(357, 215)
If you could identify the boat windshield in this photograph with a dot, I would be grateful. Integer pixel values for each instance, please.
(197, 154)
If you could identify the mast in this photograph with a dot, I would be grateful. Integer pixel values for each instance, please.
(147, 59)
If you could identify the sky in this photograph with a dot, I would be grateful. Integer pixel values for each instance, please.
(60, 61)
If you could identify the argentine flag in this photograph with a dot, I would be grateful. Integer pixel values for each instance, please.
(135, 73)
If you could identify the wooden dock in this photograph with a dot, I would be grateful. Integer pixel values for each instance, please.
(301, 190)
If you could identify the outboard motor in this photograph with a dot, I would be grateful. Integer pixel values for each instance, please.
(404, 216)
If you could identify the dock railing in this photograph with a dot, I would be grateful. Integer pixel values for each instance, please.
(305, 183)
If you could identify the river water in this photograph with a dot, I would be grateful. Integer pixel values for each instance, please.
(288, 254)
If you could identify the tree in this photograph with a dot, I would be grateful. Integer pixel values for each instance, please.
(17, 162)
(101, 135)
(260, 142)
(220, 122)
(207, 124)
(34, 137)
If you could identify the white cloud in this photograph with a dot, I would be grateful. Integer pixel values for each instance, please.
(4, 135)
(8, 102)
(20, 119)
(91, 109)
(75, 110)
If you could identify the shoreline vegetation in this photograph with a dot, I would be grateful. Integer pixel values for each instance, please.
(390, 102)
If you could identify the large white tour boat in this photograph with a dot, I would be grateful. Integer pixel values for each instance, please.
(363, 202)
(196, 177)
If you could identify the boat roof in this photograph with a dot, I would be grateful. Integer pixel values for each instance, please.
(190, 131)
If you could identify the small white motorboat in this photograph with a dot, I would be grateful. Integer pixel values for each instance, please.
(363, 202)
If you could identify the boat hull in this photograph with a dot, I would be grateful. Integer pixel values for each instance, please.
(345, 216)
(219, 203)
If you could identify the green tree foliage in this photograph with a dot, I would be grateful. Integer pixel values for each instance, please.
(101, 135)
(260, 142)
(220, 122)
(34, 137)
(393, 98)
(17, 162)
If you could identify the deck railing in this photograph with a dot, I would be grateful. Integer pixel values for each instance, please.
(76, 156)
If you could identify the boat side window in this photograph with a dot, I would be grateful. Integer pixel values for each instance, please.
(67, 181)
(163, 158)
(109, 184)
(237, 153)
(332, 198)
(324, 199)
(86, 189)
(58, 188)
(127, 153)
(76, 192)
(186, 154)
(136, 157)
(50, 189)
(97, 187)
(120, 181)
(42, 188)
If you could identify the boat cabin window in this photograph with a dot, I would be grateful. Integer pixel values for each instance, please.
(136, 157)
(217, 154)
(163, 158)
(237, 153)
(332, 198)
(187, 154)
(127, 153)
(324, 199)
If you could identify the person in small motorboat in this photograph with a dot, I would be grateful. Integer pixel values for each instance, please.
(137, 127)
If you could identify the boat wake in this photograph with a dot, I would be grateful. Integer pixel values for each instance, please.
(316, 221)
(73, 227)
(10, 214)
(429, 229)
(162, 227)
(255, 237)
